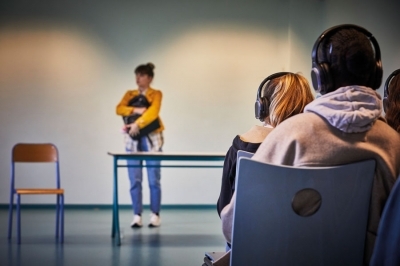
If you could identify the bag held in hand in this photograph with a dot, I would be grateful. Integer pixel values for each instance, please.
(140, 101)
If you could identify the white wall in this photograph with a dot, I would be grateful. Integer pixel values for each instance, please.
(64, 67)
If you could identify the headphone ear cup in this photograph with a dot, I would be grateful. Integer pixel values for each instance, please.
(315, 78)
(262, 108)
(265, 108)
(385, 100)
(258, 109)
(321, 78)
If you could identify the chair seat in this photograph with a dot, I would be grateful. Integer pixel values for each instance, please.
(32, 191)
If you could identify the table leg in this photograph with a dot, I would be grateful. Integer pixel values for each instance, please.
(115, 226)
(113, 205)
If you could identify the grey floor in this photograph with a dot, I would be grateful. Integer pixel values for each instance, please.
(182, 239)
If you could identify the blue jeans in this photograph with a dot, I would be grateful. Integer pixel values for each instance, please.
(136, 176)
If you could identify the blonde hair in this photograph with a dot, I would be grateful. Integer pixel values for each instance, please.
(288, 95)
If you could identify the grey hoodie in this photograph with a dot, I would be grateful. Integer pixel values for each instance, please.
(350, 109)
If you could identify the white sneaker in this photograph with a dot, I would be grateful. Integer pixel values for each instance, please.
(137, 221)
(155, 220)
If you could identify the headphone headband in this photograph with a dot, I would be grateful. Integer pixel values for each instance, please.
(329, 32)
(386, 89)
(262, 103)
(270, 77)
(388, 80)
(320, 73)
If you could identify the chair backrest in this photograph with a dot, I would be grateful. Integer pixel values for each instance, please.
(34, 153)
(267, 230)
(244, 154)
(240, 154)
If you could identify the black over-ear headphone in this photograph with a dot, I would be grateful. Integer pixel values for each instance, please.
(262, 103)
(386, 89)
(320, 73)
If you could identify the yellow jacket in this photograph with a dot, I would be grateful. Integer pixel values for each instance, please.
(153, 96)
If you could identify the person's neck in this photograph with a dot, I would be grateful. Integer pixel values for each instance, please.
(267, 125)
(142, 89)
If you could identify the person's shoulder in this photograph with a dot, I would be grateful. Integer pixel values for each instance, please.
(301, 128)
(233, 148)
(132, 92)
(299, 123)
(236, 143)
(383, 130)
(153, 90)
(381, 122)
(296, 132)
(256, 134)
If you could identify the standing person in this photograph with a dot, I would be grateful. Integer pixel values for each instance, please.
(343, 125)
(138, 139)
(279, 96)
(391, 100)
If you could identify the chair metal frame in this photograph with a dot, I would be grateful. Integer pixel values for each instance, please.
(35, 153)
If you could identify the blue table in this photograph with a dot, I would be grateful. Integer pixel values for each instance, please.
(158, 156)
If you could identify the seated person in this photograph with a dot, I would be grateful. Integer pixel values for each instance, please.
(391, 100)
(280, 96)
(343, 125)
(386, 250)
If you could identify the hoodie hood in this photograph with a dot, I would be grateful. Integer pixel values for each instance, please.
(351, 109)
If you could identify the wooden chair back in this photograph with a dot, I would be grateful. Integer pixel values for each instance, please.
(35, 153)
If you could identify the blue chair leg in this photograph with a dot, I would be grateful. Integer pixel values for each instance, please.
(19, 218)
(113, 223)
(62, 218)
(10, 214)
(57, 215)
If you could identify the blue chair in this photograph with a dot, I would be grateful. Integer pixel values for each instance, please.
(36, 153)
(244, 154)
(386, 250)
(301, 216)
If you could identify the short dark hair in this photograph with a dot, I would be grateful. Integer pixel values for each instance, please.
(351, 57)
(146, 69)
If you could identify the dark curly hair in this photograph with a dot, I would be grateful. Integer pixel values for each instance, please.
(351, 57)
(393, 108)
(146, 69)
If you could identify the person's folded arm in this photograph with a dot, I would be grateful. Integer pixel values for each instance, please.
(123, 108)
(152, 111)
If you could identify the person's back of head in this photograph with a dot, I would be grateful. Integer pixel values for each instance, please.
(346, 55)
(281, 96)
(391, 100)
